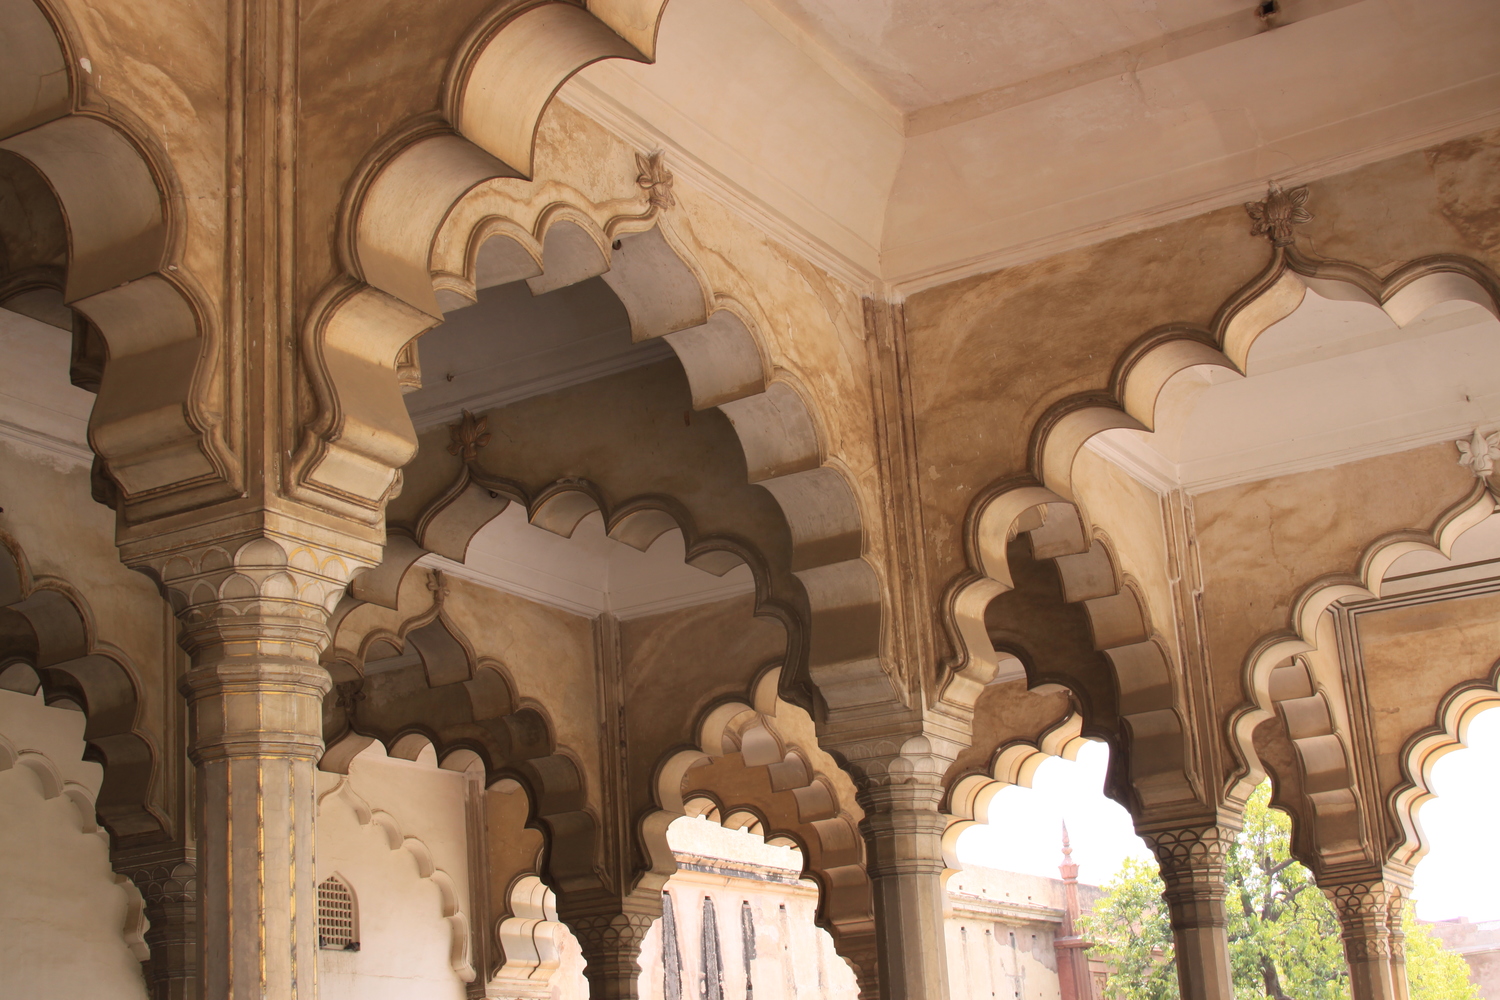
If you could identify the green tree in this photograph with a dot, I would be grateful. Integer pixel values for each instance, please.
(1283, 933)
(1434, 972)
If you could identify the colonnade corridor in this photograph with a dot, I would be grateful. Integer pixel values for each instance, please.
(545, 499)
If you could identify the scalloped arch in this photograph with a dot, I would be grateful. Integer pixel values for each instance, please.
(1268, 688)
(1014, 763)
(1423, 751)
(70, 663)
(439, 222)
(116, 223)
(831, 845)
(1011, 506)
(487, 726)
(53, 781)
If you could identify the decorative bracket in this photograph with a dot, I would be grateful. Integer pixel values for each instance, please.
(1275, 217)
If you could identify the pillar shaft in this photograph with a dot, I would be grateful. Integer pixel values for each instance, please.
(1192, 869)
(903, 832)
(254, 609)
(257, 736)
(1376, 956)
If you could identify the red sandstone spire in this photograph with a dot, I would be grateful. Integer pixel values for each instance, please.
(1068, 868)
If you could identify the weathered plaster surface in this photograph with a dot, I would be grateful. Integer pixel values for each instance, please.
(1262, 544)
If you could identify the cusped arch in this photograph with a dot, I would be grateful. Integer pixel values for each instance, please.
(812, 816)
(433, 689)
(1280, 682)
(60, 778)
(531, 939)
(112, 259)
(397, 840)
(1046, 492)
(1448, 733)
(480, 228)
(1014, 763)
(54, 649)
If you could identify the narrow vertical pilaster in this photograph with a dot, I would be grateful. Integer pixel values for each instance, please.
(1396, 910)
(1192, 868)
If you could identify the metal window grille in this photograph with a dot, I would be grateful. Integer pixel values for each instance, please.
(336, 916)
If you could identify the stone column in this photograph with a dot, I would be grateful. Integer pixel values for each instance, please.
(901, 791)
(611, 943)
(1192, 867)
(254, 610)
(168, 882)
(1364, 910)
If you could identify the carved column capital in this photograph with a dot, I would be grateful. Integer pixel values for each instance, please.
(168, 882)
(898, 782)
(899, 785)
(1364, 910)
(258, 590)
(1369, 911)
(1192, 858)
(1191, 862)
(610, 932)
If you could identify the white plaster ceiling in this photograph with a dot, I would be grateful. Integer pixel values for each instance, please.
(916, 143)
(589, 573)
(511, 345)
(921, 53)
(1334, 382)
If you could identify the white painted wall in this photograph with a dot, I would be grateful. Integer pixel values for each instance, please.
(64, 913)
(395, 831)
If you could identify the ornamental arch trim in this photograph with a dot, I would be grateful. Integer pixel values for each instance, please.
(1042, 502)
(439, 221)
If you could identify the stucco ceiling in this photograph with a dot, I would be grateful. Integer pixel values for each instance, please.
(921, 53)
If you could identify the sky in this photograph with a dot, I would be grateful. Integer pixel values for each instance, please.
(1460, 877)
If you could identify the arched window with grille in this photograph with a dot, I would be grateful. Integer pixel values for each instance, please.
(338, 917)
